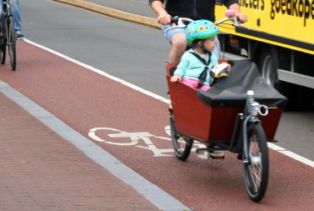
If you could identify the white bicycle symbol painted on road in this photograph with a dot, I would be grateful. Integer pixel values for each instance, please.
(122, 138)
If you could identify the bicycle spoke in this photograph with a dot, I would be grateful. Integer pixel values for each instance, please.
(256, 177)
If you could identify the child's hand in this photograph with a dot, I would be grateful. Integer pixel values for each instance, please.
(175, 78)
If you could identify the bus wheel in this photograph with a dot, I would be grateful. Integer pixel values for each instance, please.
(268, 65)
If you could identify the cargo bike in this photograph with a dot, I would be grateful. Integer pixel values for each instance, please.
(240, 114)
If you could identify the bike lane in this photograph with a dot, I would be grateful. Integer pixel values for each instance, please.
(86, 100)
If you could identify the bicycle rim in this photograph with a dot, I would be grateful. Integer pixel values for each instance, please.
(257, 168)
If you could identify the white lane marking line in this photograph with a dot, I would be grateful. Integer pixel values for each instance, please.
(291, 154)
(132, 86)
(148, 93)
(160, 198)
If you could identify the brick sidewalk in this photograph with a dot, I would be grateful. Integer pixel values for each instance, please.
(40, 171)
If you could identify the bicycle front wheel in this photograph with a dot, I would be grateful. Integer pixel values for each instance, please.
(257, 168)
(11, 42)
(182, 146)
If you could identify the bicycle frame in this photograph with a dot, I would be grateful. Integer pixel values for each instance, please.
(251, 111)
(249, 115)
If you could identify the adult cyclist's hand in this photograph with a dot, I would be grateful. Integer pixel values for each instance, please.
(164, 18)
(242, 17)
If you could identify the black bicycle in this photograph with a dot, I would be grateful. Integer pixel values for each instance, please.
(7, 35)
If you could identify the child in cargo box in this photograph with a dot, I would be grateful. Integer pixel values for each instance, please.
(197, 65)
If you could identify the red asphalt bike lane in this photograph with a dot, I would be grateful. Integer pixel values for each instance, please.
(84, 100)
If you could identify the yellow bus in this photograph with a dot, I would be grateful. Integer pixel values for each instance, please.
(279, 38)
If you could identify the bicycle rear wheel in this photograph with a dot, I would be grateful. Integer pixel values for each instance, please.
(11, 42)
(182, 146)
(257, 168)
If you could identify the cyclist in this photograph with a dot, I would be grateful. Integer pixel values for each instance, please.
(15, 9)
(15, 5)
(193, 9)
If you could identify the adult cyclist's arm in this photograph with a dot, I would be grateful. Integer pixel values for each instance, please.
(163, 16)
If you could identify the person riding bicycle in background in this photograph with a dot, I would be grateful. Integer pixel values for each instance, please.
(15, 9)
(195, 64)
(193, 9)
(15, 4)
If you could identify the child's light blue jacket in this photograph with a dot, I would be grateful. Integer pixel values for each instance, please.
(191, 67)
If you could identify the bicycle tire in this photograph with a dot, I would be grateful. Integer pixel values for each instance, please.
(11, 43)
(2, 52)
(182, 146)
(257, 168)
(3, 42)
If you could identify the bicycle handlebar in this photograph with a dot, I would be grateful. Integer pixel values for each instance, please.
(182, 22)
(179, 22)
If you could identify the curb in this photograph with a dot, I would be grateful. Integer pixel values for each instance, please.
(115, 13)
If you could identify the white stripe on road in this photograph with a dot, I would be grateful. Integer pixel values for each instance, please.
(121, 81)
(293, 155)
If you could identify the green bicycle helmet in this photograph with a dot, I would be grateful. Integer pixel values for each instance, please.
(200, 30)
